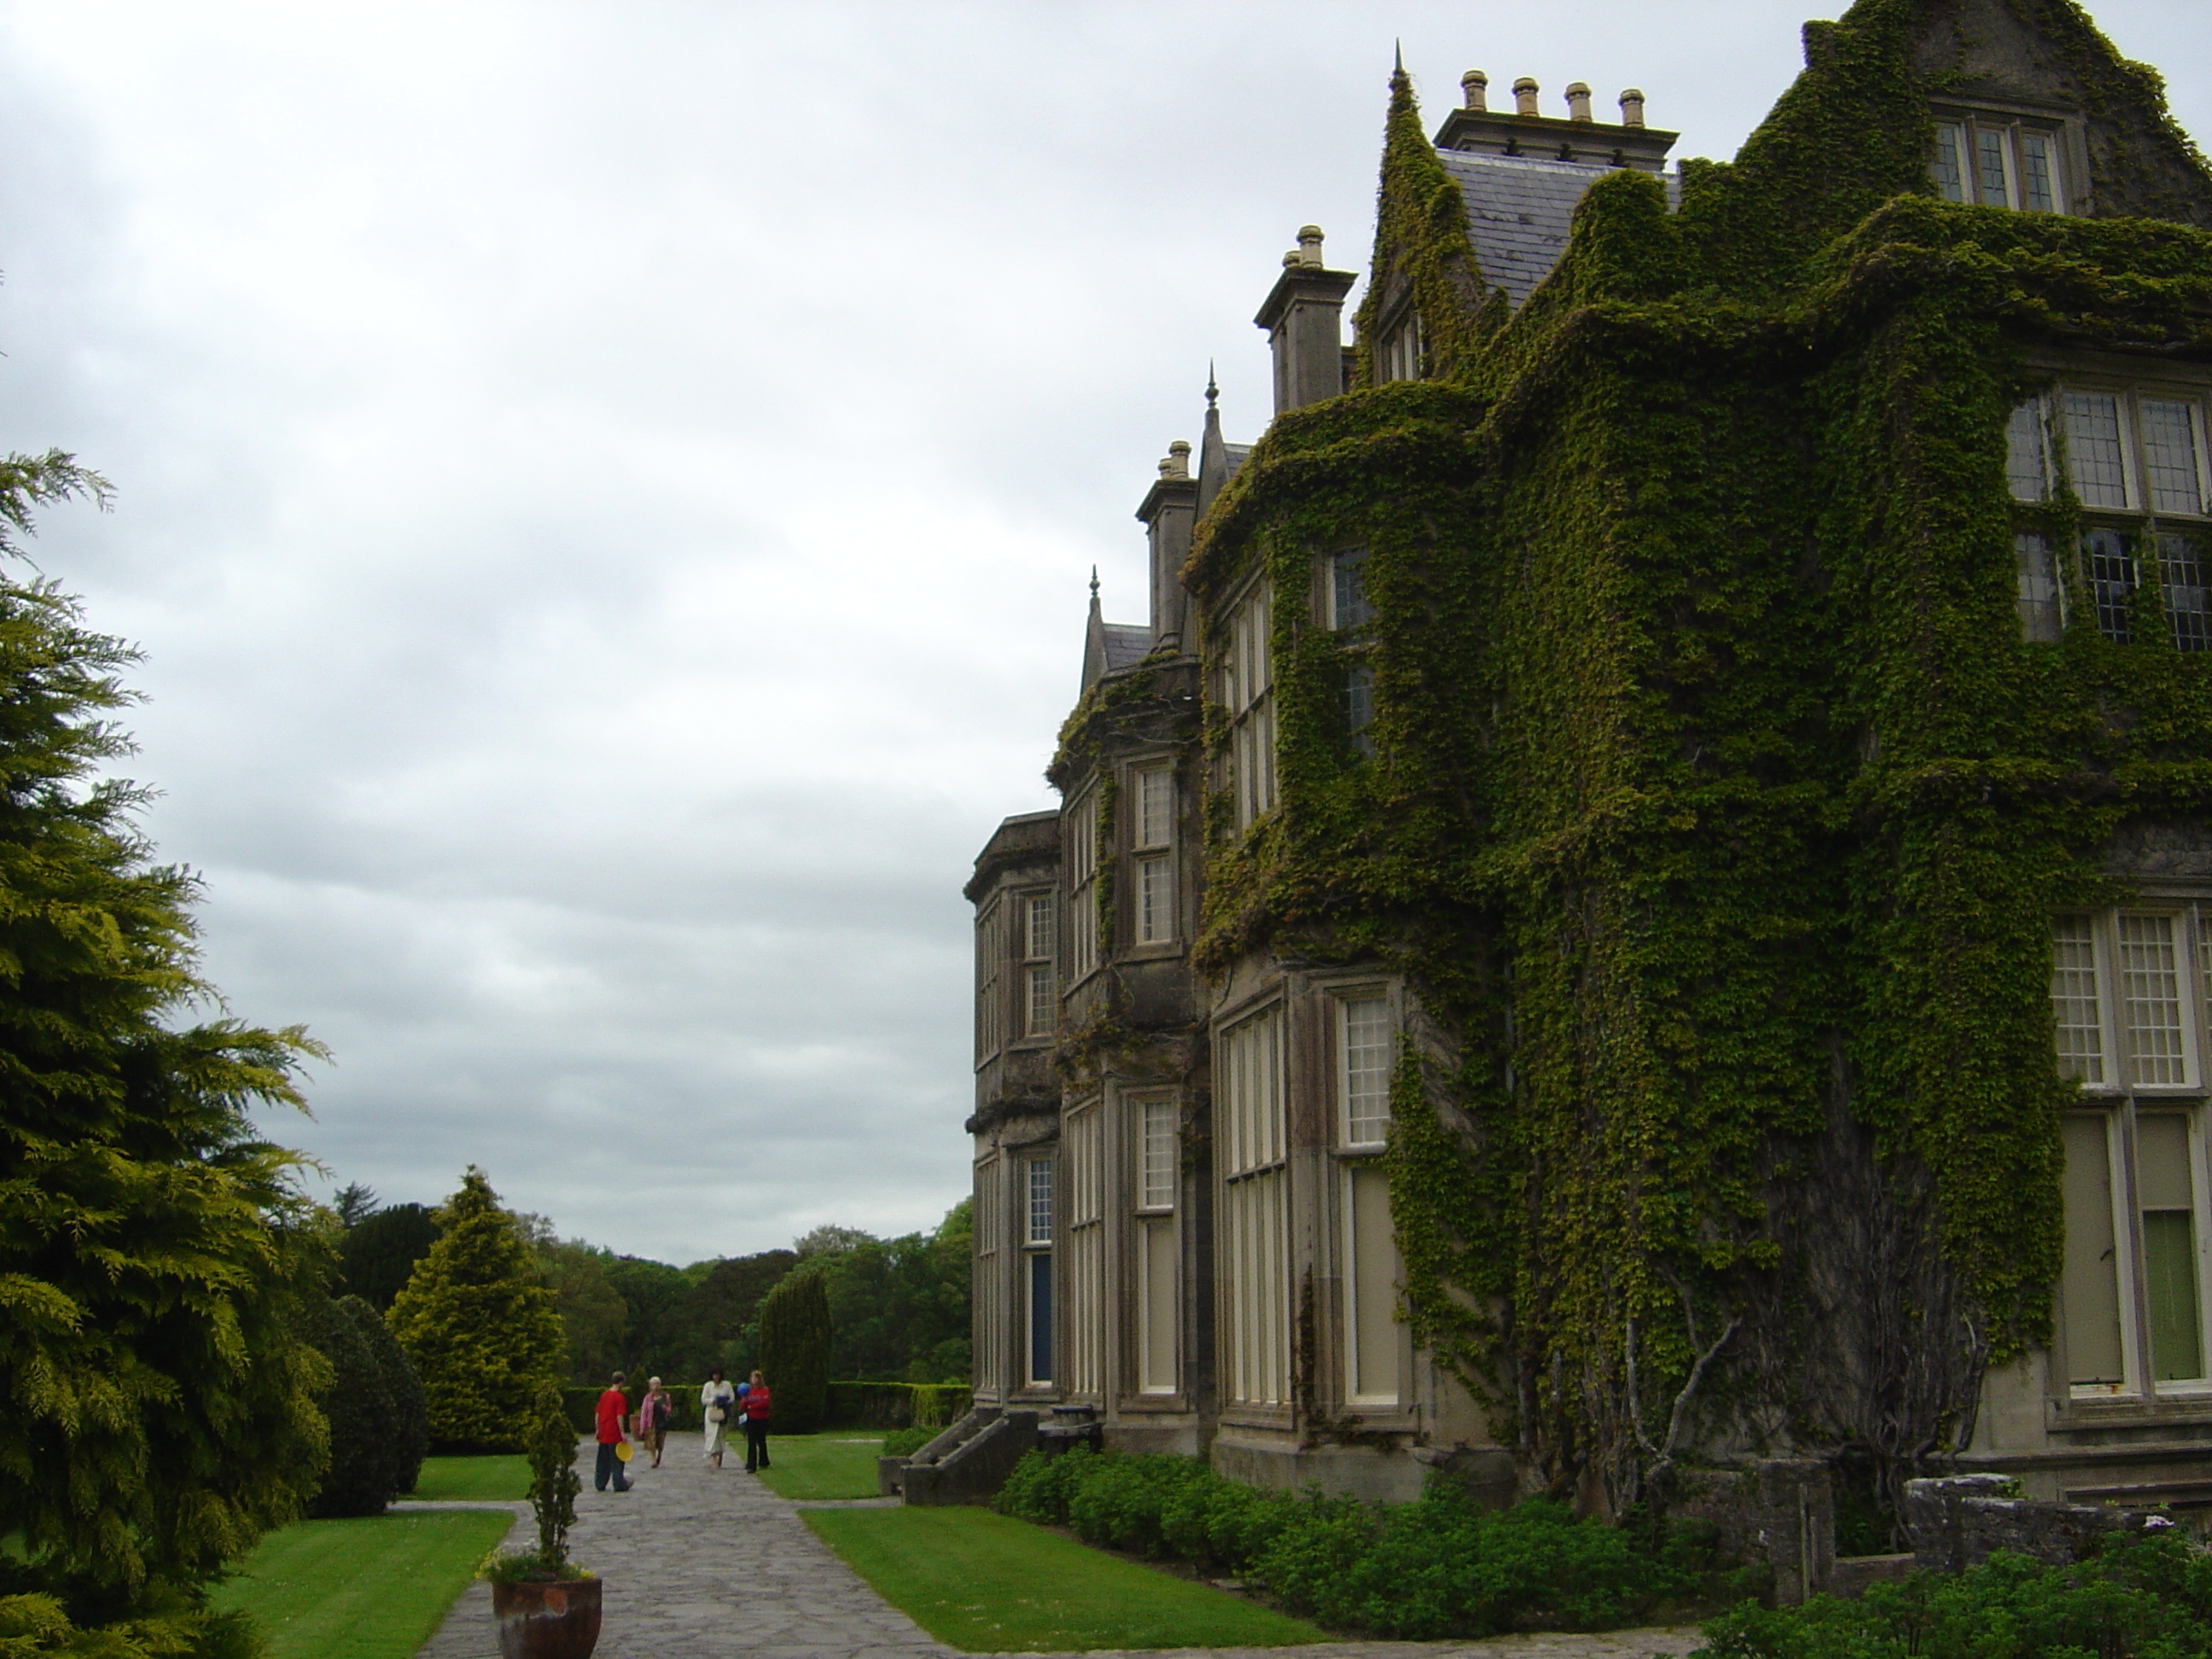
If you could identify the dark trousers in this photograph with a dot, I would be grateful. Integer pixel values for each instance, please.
(609, 1468)
(756, 1445)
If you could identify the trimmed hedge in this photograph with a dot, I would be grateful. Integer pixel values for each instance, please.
(897, 1405)
(1438, 1568)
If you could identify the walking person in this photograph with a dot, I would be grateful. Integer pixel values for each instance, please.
(718, 1409)
(653, 1414)
(757, 1410)
(613, 1407)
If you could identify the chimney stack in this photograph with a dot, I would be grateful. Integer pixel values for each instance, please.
(1578, 104)
(1476, 85)
(1524, 96)
(1304, 319)
(1631, 108)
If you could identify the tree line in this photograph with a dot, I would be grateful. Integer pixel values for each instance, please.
(898, 1308)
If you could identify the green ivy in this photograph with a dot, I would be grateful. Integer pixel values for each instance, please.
(1717, 809)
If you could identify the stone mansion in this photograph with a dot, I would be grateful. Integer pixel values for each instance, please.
(1641, 898)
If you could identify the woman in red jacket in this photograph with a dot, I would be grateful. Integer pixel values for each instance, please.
(757, 1424)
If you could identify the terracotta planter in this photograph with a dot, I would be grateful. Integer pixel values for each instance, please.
(547, 1621)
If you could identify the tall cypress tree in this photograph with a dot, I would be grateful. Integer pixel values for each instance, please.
(155, 1257)
(479, 1323)
(795, 1342)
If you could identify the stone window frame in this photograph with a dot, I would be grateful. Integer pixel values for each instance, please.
(1154, 1139)
(1963, 128)
(2118, 1101)
(1355, 637)
(1083, 859)
(2111, 561)
(1153, 914)
(1352, 1161)
(1039, 988)
(1243, 677)
(1255, 1195)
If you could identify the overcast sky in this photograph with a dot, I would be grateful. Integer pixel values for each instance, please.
(607, 493)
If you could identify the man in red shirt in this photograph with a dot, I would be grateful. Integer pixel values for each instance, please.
(614, 1405)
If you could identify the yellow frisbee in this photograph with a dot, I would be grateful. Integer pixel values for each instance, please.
(622, 1449)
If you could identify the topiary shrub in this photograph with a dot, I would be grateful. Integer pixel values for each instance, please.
(363, 1417)
(794, 1341)
(410, 1441)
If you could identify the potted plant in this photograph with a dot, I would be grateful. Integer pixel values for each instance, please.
(546, 1606)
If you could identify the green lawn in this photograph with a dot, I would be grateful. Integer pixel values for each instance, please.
(988, 1583)
(369, 1588)
(501, 1475)
(836, 1463)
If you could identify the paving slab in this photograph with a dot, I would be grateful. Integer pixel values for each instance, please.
(700, 1563)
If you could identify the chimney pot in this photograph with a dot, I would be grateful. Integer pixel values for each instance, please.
(1177, 465)
(1631, 108)
(1578, 102)
(1309, 240)
(1524, 96)
(1476, 85)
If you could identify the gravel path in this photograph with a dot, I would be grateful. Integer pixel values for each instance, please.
(700, 1564)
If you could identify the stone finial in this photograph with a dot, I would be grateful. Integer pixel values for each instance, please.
(1476, 85)
(1631, 108)
(1310, 245)
(1524, 96)
(1177, 464)
(1578, 105)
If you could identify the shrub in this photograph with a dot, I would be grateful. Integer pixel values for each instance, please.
(365, 1473)
(1436, 1568)
(2145, 1596)
(794, 1341)
(905, 1443)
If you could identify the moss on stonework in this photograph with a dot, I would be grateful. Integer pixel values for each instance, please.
(1718, 810)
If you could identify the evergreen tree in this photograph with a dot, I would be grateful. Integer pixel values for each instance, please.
(410, 1418)
(794, 1345)
(479, 1324)
(364, 1418)
(156, 1258)
(378, 1252)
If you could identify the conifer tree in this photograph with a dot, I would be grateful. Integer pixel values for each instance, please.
(794, 1341)
(479, 1323)
(156, 1255)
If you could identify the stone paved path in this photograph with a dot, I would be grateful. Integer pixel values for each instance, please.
(702, 1565)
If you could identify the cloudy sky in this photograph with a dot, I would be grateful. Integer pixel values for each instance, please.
(607, 491)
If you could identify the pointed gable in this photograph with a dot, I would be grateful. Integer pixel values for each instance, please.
(2048, 56)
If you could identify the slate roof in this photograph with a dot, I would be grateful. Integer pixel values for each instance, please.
(1519, 210)
(1126, 644)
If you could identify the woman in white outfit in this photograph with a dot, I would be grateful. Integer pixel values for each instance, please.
(717, 1404)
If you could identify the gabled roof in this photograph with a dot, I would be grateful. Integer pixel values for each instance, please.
(1519, 210)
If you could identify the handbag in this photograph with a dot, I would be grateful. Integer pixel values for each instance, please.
(716, 1414)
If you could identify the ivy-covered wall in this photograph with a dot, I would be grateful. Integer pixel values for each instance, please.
(1718, 810)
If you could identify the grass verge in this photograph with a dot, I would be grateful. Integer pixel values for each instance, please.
(373, 1588)
(501, 1475)
(836, 1463)
(988, 1583)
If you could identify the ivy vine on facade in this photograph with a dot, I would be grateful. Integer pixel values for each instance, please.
(1644, 898)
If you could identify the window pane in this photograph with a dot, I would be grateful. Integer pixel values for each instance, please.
(1371, 1282)
(1359, 708)
(1041, 1316)
(2028, 467)
(2181, 579)
(1157, 1189)
(1988, 167)
(2042, 612)
(1348, 606)
(2170, 434)
(2092, 448)
(2074, 1000)
(1365, 1032)
(1043, 938)
(1155, 806)
(1950, 178)
(1155, 901)
(1040, 1200)
(1155, 1344)
(2170, 1280)
(1042, 1002)
(2090, 1285)
(2038, 189)
(2112, 581)
(2150, 1000)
